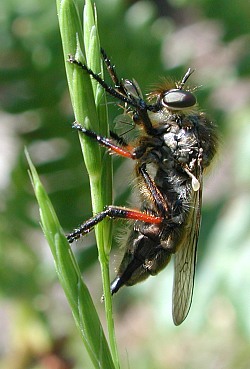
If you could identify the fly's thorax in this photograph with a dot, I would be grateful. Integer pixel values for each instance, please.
(180, 144)
(160, 118)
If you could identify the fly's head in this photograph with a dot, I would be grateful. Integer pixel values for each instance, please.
(172, 99)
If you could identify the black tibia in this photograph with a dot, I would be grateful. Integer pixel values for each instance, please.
(111, 70)
(111, 212)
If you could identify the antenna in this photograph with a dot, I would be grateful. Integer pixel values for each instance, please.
(185, 78)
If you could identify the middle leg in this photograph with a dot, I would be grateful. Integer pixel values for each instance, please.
(124, 150)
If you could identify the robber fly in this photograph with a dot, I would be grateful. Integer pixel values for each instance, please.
(176, 143)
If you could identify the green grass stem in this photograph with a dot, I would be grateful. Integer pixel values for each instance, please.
(89, 105)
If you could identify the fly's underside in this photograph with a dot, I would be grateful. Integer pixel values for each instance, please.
(176, 143)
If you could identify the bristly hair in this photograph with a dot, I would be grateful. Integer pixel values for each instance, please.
(165, 84)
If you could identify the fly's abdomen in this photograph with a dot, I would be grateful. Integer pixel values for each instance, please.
(144, 256)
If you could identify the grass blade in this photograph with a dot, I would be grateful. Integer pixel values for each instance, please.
(69, 275)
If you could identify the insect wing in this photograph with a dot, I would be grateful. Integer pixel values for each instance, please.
(185, 262)
(132, 89)
(124, 126)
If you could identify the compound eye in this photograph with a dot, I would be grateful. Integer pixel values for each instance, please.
(178, 99)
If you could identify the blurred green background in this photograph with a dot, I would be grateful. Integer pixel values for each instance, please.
(146, 40)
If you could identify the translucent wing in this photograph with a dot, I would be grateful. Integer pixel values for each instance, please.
(132, 89)
(184, 262)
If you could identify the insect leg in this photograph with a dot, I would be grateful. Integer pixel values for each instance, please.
(120, 140)
(131, 90)
(112, 73)
(154, 191)
(111, 212)
(123, 150)
(119, 93)
(109, 89)
(144, 255)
